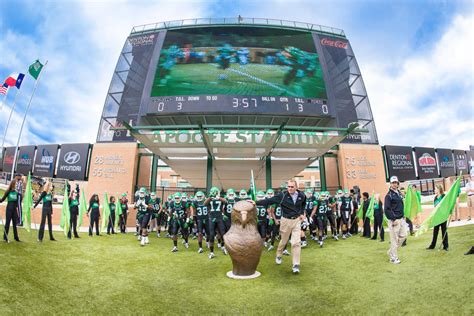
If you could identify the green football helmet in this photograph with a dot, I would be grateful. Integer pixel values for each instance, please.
(184, 197)
(339, 192)
(308, 192)
(270, 193)
(152, 195)
(346, 192)
(243, 194)
(260, 195)
(230, 194)
(316, 195)
(214, 192)
(200, 196)
(170, 197)
(177, 197)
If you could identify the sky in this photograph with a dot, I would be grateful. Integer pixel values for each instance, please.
(416, 59)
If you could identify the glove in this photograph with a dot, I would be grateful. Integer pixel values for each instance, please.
(311, 220)
(271, 222)
(225, 218)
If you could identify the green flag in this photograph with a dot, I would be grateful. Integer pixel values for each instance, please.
(35, 69)
(27, 204)
(443, 210)
(82, 209)
(105, 213)
(118, 212)
(253, 190)
(65, 213)
(360, 211)
(411, 204)
(370, 210)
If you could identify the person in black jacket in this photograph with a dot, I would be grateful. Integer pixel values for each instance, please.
(111, 225)
(11, 211)
(393, 209)
(94, 211)
(123, 213)
(365, 207)
(292, 204)
(378, 218)
(444, 230)
(47, 212)
(74, 211)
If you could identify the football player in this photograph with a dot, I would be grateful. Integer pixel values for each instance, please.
(144, 209)
(202, 217)
(331, 202)
(231, 200)
(179, 221)
(262, 217)
(346, 207)
(217, 218)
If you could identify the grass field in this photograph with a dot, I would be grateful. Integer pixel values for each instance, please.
(199, 79)
(114, 275)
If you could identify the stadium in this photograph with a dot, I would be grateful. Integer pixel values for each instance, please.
(201, 103)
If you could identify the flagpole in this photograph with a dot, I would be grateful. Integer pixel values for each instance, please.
(9, 118)
(24, 118)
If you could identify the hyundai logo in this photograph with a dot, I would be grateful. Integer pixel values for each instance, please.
(72, 157)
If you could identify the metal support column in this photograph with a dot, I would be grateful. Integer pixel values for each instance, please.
(154, 172)
(322, 173)
(268, 172)
(209, 173)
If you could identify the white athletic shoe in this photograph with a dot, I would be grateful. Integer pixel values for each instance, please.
(158, 235)
(321, 244)
(395, 261)
(186, 245)
(349, 234)
(139, 238)
(224, 250)
(270, 248)
(200, 250)
(324, 237)
(344, 236)
(147, 241)
(183, 241)
(142, 242)
(218, 245)
(175, 249)
(265, 244)
(211, 255)
(296, 269)
(335, 237)
(304, 244)
(278, 260)
(286, 252)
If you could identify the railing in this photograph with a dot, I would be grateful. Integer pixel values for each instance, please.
(236, 21)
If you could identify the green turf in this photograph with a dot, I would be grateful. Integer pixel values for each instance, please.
(114, 275)
(203, 79)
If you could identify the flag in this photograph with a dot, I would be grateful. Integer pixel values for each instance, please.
(35, 69)
(27, 204)
(411, 204)
(360, 211)
(443, 210)
(105, 213)
(65, 213)
(4, 89)
(82, 208)
(370, 210)
(15, 80)
(253, 190)
(118, 212)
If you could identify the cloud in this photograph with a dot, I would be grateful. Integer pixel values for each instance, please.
(82, 41)
(429, 100)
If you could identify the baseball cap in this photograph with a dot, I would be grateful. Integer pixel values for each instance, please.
(394, 179)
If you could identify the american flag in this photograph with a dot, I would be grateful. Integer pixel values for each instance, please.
(4, 89)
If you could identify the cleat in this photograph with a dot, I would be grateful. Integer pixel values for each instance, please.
(335, 237)
(175, 249)
(158, 235)
(286, 252)
(186, 245)
(142, 242)
(278, 260)
(321, 244)
(349, 235)
(200, 250)
(304, 244)
(224, 250)
(296, 269)
(139, 237)
(211, 255)
(265, 244)
(395, 261)
(270, 248)
(219, 245)
(344, 236)
(146, 240)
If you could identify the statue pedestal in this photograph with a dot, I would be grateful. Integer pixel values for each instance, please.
(231, 275)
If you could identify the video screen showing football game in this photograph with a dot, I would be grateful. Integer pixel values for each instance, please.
(239, 61)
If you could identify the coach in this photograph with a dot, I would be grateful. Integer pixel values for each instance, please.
(393, 208)
(292, 204)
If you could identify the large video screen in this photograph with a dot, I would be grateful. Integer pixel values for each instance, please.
(239, 61)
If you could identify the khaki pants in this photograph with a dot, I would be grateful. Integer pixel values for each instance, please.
(290, 227)
(470, 204)
(398, 234)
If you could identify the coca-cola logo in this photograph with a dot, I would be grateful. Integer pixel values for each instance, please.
(334, 43)
(426, 160)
